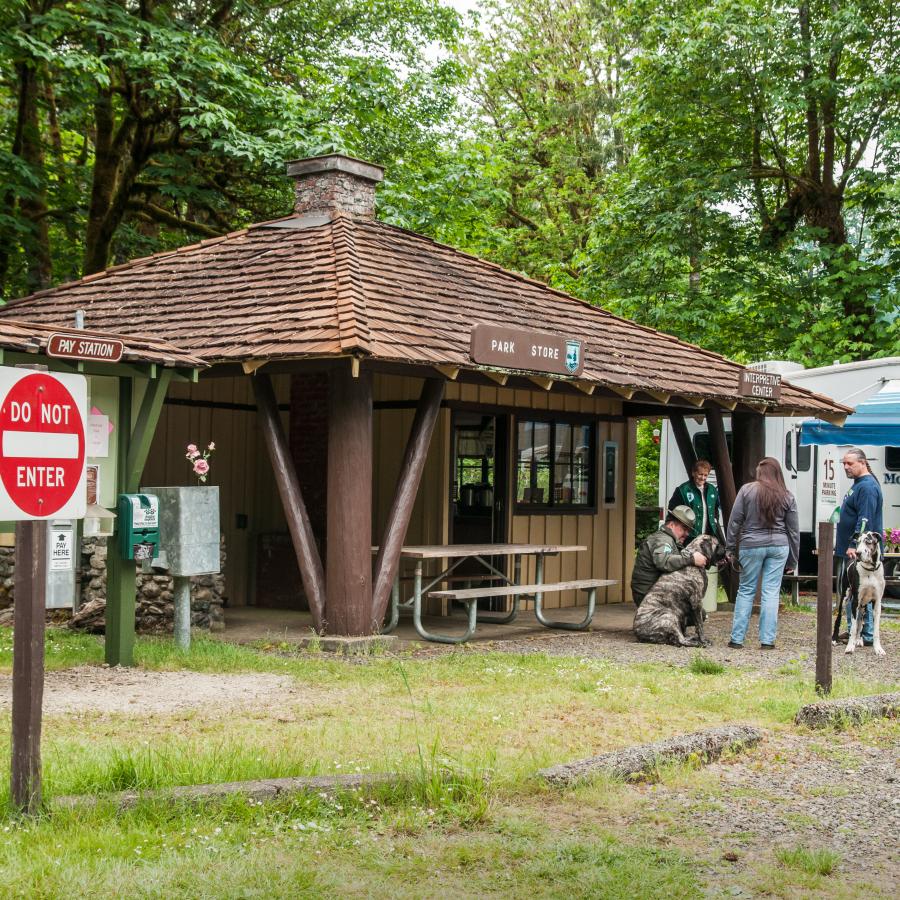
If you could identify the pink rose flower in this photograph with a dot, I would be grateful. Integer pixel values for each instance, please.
(201, 467)
(191, 448)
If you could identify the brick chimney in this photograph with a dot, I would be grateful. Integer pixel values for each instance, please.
(325, 184)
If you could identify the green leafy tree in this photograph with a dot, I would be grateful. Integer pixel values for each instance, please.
(131, 125)
(518, 176)
(759, 213)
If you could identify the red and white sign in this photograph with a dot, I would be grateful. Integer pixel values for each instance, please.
(42, 445)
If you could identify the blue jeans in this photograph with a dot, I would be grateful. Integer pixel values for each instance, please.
(769, 561)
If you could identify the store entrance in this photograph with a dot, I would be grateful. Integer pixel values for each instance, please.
(478, 479)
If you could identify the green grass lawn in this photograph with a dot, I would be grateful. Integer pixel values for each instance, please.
(467, 730)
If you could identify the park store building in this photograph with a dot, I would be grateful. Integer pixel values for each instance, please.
(367, 386)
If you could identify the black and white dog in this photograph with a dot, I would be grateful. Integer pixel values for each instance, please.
(865, 576)
(675, 602)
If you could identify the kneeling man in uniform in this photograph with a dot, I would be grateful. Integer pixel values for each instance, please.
(663, 551)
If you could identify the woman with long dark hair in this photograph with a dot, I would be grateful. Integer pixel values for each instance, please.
(764, 522)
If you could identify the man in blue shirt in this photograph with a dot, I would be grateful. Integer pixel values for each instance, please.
(862, 503)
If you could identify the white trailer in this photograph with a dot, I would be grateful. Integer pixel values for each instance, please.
(814, 474)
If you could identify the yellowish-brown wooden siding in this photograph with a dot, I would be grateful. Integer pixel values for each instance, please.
(240, 466)
(605, 533)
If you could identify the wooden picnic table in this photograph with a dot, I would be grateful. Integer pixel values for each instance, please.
(482, 553)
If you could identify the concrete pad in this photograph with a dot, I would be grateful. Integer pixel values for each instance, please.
(249, 624)
(354, 645)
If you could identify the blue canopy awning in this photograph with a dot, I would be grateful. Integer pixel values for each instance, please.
(876, 423)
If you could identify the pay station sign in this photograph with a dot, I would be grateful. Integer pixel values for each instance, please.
(42, 445)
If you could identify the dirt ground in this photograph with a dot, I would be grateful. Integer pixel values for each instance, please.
(107, 690)
(835, 790)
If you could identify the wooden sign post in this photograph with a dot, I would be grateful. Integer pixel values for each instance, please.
(28, 664)
(823, 607)
(42, 476)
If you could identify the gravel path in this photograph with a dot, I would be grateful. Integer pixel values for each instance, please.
(836, 792)
(614, 640)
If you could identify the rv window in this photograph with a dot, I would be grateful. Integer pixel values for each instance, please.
(703, 445)
(804, 454)
(892, 459)
(555, 465)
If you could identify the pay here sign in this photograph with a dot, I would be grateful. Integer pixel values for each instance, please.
(42, 445)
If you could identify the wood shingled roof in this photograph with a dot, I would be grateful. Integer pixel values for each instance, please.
(333, 284)
(32, 337)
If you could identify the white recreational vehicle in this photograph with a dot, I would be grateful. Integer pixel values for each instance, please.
(813, 473)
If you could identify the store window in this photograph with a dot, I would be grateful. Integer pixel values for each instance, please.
(555, 465)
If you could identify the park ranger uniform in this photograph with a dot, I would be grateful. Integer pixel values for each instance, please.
(658, 554)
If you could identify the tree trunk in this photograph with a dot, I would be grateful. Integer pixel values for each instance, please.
(121, 150)
(33, 206)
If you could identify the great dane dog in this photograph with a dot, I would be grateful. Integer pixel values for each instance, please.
(865, 576)
(675, 602)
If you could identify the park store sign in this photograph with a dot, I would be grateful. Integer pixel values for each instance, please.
(42, 445)
(535, 351)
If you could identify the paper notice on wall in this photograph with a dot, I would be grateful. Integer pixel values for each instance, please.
(61, 544)
(97, 436)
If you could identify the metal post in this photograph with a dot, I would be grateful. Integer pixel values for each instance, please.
(182, 592)
(823, 608)
(121, 587)
(28, 665)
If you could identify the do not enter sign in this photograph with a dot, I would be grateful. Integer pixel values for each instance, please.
(42, 445)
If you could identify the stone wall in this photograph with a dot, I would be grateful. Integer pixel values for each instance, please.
(154, 613)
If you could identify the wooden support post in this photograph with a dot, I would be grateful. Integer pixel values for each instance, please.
(308, 560)
(748, 431)
(405, 496)
(348, 568)
(725, 482)
(823, 607)
(683, 439)
(28, 664)
(721, 461)
(121, 588)
(145, 428)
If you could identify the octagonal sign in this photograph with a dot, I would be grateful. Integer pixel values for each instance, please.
(42, 445)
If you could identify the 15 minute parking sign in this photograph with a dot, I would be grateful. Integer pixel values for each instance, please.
(42, 445)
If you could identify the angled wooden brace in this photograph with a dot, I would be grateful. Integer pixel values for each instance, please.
(308, 559)
(388, 561)
(145, 428)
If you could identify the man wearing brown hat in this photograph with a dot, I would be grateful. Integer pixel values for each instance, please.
(663, 551)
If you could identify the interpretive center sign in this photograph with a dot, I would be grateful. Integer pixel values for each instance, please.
(513, 348)
(42, 445)
(762, 385)
(75, 346)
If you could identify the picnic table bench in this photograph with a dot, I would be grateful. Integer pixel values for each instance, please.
(484, 554)
(470, 597)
